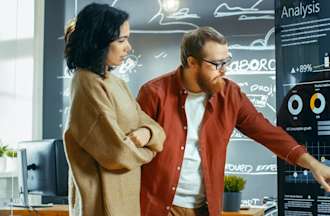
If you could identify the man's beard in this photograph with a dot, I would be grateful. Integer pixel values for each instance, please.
(210, 86)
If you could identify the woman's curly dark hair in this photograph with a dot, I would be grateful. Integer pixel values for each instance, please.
(87, 42)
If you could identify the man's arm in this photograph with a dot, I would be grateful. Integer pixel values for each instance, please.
(148, 101)
(254, 125)
(320, 171)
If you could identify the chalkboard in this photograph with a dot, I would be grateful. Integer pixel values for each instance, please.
(249, 27)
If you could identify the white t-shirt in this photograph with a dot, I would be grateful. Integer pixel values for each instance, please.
(190, 190)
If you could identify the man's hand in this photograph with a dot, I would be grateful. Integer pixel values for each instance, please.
(320, 171)
(140, 136)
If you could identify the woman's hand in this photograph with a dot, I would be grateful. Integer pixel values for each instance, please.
(140, 136)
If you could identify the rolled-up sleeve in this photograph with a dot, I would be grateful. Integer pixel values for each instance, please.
(254, 125)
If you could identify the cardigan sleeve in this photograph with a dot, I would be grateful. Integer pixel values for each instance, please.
(93, 124)
(157, 133)
(254, 125)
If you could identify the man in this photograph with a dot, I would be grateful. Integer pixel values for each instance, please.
(198, 109)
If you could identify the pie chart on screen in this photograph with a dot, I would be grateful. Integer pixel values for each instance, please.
(317, 103)
(295, 104)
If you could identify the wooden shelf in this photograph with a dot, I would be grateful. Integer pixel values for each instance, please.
(62, 210)
(250, 212)
(56, 210)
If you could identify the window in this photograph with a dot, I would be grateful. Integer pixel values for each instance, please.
(16, 70)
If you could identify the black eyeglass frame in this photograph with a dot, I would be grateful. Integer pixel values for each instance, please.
(220, 63)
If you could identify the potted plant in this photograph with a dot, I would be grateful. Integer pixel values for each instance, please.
(233, 185)
(11, 153)
(11, 164)
(7, 159)
(3, 150)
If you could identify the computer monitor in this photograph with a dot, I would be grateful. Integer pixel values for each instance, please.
(43, 171)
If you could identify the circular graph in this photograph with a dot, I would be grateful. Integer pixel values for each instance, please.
(295, 104)
(317, 103)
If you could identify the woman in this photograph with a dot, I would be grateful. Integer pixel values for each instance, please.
(108, 137)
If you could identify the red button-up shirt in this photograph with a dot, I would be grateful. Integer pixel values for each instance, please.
(164, 100)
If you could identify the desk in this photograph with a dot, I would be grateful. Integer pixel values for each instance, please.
(250, 212)
(56, 210)
(62, 210)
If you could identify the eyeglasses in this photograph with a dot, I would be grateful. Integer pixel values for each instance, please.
(220, 63)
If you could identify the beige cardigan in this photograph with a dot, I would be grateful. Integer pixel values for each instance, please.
(104, 163)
